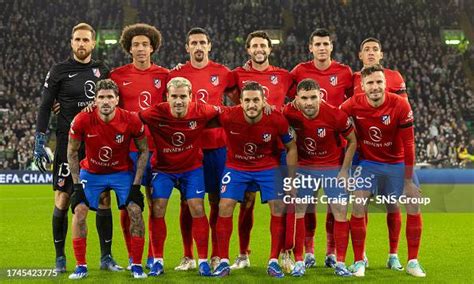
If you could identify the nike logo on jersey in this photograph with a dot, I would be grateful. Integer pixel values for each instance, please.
(235, 133)
(92, 135)
(359, 117)
(162, 125)
(199, 191)
(125, 83)
(72, 75)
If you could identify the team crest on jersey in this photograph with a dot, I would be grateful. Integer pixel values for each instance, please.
(274, 79)
(333, 80)
(192, 124)
(321, 132)
(157, 83)
(119, 138)
(215, 80)
(96, 72)
(61, 182)
(386, 119)
(266, 137)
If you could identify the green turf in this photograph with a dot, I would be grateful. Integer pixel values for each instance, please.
(26, 242)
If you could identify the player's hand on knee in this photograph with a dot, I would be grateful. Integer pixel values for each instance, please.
(78, 196)
(411, 190)
(136, 196)
(41, 157)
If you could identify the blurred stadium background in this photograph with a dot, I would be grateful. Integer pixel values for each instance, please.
(427, 41)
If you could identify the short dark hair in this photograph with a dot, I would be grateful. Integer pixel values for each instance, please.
(319, 33)
(366, 71)
(140, 29)
(262, 34)
(307, 85)
(106, 84)
(197, 31)
(370, 39)
(252, 86)
(83, 26)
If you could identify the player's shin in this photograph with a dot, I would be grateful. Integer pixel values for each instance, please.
(245, 225)
(299, 239)
(104, 228)
(330, 241)
(310, 224)
(277, 231)
(125, 224)
(413, 234)
(137, 232)
(185, 222)
(60, 223)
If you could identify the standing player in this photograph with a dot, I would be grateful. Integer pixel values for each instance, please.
(72, 84)
(384, 124)
(106, 133)
(141, 85)
(209, 80)
(319, 128)
(176, 127)
(335, 80)
(276, 83)
(370, 53)
(253, 158)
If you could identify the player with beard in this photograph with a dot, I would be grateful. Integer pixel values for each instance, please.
(72, 84)
(384, 123)
(141, 85)
(210, 80)
(254, 158)
(276, 83)
(371, 54)
(319, 128)
(106, 132)
(335, 80)
(176, 127)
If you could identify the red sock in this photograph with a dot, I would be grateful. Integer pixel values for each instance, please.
(277, 231)
(186, 225)
(245, 227)
(330, 241)
(413, 232)
(150, 247)
(341, 237)
(366, 218)
(310, 226)
(137, 249)
(212, 223)
(158, 236)
(79, 245)
(224, 231)
(394, 224)
(201, 235)
(358, 232)
(299, 239)
(125, 222)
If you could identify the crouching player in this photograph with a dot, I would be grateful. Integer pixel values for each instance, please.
(176, 127)
(384, 124)
(319, 128)
(107, 133)
(253, 157)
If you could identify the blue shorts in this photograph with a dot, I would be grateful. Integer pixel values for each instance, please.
(146, 179)
(382, 178)
(95, 184)
(253, 187)
(213, 164)
(356, 159)
(317, 179)
(191, 184)
(235, 183)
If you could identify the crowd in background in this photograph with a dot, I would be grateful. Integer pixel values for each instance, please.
(37, 32)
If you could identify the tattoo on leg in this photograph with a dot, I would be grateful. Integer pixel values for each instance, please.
(137, 227)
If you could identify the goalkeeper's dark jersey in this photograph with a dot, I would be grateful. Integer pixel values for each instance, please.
(72, 84)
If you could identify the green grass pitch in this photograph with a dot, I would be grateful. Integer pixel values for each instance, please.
(26, 242)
